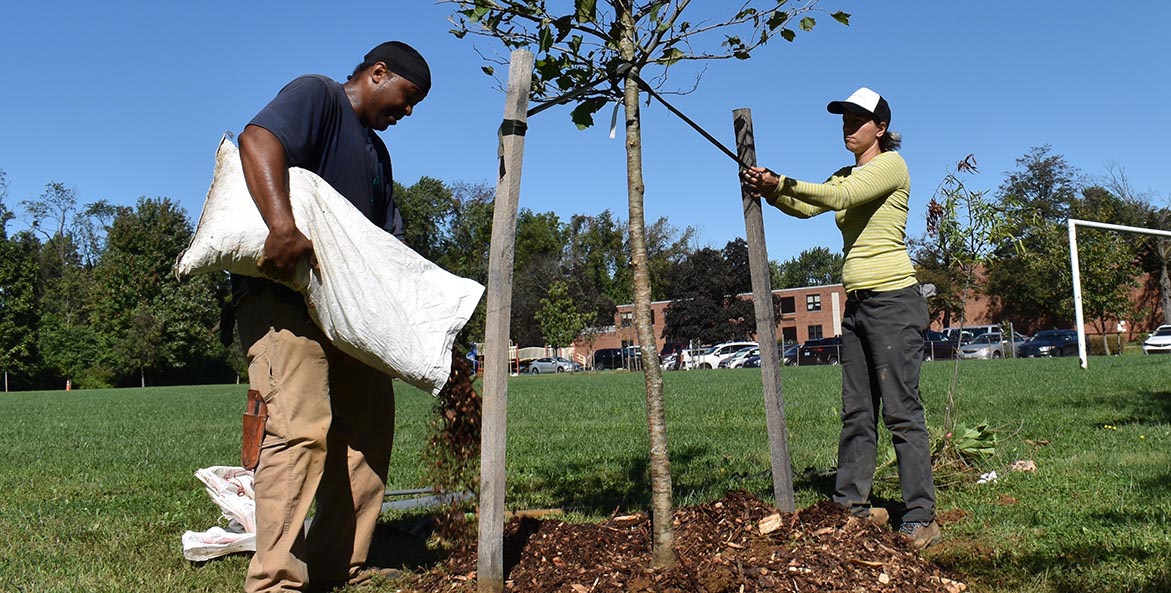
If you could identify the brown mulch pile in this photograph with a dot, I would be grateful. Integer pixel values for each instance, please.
(720, 549)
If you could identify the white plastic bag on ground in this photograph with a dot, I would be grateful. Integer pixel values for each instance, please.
(231, 489)
(374, 297)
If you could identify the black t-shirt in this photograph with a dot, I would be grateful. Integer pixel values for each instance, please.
(317, 125)
(314, 120)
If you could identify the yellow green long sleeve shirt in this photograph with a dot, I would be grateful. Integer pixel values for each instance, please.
(870, 204)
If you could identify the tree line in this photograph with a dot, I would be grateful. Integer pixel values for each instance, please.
(1017, 240)
(87, 295)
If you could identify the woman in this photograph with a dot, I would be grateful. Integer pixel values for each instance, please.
(885, 318)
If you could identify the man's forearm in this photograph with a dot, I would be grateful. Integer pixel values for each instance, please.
(267, 174)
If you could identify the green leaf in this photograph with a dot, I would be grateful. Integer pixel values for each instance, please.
(459, 33)
(777, 20)
(583, 114)
(478, 14)
(842, 17)
(788, 34)
(586, 10)
(488, 70)
(807, 23)
(672, 55)
(564, 26)
(546, 39)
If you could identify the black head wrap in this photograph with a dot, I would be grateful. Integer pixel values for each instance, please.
(403, 60)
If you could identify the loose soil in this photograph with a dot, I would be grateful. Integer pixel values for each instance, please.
(720, 548)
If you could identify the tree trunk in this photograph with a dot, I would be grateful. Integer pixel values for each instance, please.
(663, 545)
(141, 377)
(1164, 247)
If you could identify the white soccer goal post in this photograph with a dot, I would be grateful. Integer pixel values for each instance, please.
(1083, 355)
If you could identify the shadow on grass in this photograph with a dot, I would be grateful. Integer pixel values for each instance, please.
(601, 492)
(1148, 407)
(402, 543)
(1068, 568)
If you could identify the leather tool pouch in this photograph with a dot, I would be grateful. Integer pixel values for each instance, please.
(255, 415)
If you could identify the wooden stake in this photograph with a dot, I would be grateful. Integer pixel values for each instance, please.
(766, 324)
(490, 571)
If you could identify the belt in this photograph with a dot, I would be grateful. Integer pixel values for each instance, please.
(858, 296)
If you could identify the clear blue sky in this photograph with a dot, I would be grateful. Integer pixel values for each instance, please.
(126, 99)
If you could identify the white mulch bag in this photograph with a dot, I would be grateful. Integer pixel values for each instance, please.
(231, 489)
(374, 297)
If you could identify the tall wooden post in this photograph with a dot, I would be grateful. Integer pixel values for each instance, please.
(490, 572)
(766, 324)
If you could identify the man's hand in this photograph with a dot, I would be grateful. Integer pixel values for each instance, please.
(283, 250)
(759, 181)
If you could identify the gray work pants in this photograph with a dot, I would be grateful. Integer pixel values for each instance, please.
(882, 347)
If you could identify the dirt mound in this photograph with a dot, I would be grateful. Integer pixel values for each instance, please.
(720, 547)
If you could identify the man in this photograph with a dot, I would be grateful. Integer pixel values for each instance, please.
(330, 418)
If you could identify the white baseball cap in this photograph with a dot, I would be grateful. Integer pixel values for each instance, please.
(863, 102)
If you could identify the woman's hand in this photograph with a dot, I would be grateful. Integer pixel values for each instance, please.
(759, 181)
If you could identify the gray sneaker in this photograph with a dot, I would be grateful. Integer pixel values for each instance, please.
(921, 534)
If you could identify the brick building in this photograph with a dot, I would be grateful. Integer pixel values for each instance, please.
(807, 313)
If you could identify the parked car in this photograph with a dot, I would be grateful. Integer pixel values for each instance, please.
(970, 332)
(938, 346)
(548, 364)
(609, 358)
(824, 351)
(789, 356)
(711, 357)
(991, 345)
(1050, 342)
(736, 360)
(1159, 341)
(753, 362)
(670, 350)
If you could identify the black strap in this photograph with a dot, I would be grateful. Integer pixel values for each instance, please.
(509, 127)
(702, 132)
(621, 70)
(513, 127)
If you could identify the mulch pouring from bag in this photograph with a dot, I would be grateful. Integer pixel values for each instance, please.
(736, 544)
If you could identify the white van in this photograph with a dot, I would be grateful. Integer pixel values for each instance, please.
(711, 357)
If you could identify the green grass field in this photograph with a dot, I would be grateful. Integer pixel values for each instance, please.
(98, 486)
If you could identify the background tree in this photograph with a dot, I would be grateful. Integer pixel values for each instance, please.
(1109, 259)
(559, 318)
(1154, 253)
(65, 339)
(813, 267)
(1038, 197)
(146, 320)
(540, 241)
(18, 312)
(428, 208)
(596, 268)
(618, 40)
(706, 307)
(464, 252)
(739, 276)
(667, 246)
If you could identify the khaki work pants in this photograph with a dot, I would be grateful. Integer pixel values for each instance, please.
(328, 438)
